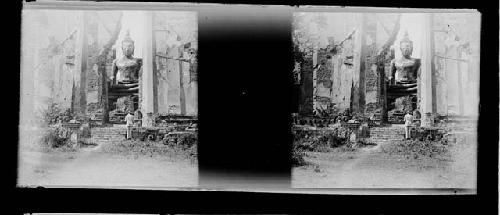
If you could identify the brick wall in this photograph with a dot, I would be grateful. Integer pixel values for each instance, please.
(173, 30)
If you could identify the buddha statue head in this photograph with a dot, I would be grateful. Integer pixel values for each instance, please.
(406, 46)
(128, 45)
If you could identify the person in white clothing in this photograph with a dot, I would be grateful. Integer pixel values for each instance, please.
(408, 124)
(129, 119)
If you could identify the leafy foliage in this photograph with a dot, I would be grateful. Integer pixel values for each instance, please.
(55, 137)
(321, 141)
(53, 113)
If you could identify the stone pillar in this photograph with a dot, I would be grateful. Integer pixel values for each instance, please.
(460, 84)
(80, 61)
(148, 99)
(383, 93)
(357, 61)
(83, 65)
(427, 99)
(364, 65)
(315, 77)
(182, 93)
(154, 68)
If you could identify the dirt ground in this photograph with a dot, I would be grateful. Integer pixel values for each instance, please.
(387, 166)
(108, 165)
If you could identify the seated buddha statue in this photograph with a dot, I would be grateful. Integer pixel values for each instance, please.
(405, 69)
(126, 69)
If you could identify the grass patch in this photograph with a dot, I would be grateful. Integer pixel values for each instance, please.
(414, 149)
(136, 149)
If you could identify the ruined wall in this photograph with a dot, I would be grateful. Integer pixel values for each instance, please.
(354, 76)
(378, 29)
(100, 28)
(332, 36)
(175, 79)
(349, 62)
(93, 79)
(457, 63)
(63, 67)
(345, 77)
(322, 96)
(66, 43)
(53, 36)
(370, 52)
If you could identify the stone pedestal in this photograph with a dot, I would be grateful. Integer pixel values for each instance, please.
(404, 104)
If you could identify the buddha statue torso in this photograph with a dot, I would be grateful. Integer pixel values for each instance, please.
(127, 70)
(406, 70)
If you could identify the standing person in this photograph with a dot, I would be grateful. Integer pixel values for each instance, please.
(130, 122)
(408, 123)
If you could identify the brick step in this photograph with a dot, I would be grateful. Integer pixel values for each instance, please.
(386, 136)
(113, 130)
(398, 131)
(402, 130)
(105, 141)
(395, 130)
(100, 142)
(385, 139)
(388, 140)
(107, 132)
(107, 135)
(104, 138)
(108, 138)
(108, 128)
(387, 133)
(386, 129)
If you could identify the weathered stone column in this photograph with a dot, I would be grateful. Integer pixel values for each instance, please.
(80, 65)
(427, 99)
(182, 93)
(83, 65)
(315, 76)
(365, 64)
(460, 84)
(148, 99)
(358, 62)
